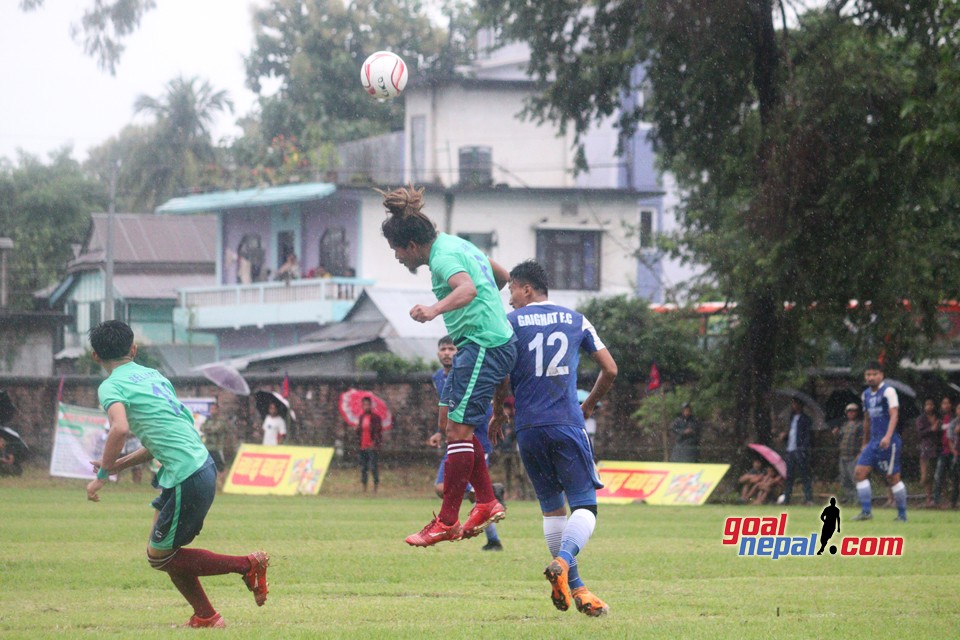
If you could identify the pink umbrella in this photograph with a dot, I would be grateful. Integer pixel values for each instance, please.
(772, 457)
(351, 407)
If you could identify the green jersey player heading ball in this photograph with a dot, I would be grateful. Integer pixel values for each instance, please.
(467, 286)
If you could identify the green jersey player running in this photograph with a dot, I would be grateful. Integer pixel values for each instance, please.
(142, 401)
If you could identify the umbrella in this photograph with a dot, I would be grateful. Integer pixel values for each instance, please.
(225, 377)
(12, 437)
(814, 410)
(901, 387)
(772, 457)
(351, 407)
(908, 408)
(265, 398)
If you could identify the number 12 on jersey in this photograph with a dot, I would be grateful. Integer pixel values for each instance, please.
(554, 368)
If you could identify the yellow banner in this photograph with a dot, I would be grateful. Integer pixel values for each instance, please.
(280, 471)
(662, 483)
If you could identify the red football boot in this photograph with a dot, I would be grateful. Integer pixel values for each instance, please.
(213, 622)
(256, 577)
(435, 532)
(482, 516)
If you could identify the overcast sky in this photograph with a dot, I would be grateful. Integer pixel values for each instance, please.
(52, 94)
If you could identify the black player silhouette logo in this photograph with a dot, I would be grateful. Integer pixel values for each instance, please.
(831, 522)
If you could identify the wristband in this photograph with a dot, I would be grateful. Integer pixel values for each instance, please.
(103, 474)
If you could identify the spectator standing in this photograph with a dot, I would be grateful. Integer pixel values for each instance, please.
(797, 438)
(929, 429)
(954, 431)
(948, 450)
(370, 434)
(851, 441)
(686, 430)
(274, 426)
(214, 432)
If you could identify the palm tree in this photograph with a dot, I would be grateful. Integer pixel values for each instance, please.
(182, 142)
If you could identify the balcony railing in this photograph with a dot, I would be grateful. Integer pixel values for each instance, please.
(263, 303)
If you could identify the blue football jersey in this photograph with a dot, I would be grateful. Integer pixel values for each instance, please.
(877, 405)
(544, 378)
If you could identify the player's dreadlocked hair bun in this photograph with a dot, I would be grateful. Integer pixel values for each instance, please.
(406, 222)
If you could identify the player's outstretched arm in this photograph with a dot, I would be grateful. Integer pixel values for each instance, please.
(500, 275)
(608, 373)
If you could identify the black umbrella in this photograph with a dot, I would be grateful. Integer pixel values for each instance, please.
(814, 410)
(909, 409)
(13, 439)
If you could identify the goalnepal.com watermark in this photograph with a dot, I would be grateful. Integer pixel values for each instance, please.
(767, 537)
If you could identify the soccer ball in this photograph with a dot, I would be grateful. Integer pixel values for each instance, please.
(384, 75)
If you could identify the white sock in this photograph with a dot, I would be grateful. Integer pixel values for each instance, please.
(553, 527)
(577, 533)
(865, 493)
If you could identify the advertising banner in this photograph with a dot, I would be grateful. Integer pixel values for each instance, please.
(280, 470)
(660, 483)
(78, 438)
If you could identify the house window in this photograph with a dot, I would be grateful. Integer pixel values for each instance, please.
(250, 257)
(95, 314)
(333, 251)
(71, 325)
(646, 229)
(483, 241)
(571, 258)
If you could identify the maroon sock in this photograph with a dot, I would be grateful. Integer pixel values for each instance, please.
(480, 479)
(200, 562)
(190, 587)
(456, 473)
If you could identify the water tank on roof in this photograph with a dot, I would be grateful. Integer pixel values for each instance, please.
(476, 166)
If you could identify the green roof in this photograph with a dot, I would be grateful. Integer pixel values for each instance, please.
(247, 198)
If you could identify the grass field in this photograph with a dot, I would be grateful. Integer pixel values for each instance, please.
(71, 568)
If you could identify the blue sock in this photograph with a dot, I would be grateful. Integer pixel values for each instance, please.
(865, 493)
(900, 497)
(491, 532)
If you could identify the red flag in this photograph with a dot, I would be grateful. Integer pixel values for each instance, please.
(654, 383)
(285, 388)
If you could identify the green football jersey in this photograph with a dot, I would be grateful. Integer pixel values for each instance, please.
(484, 320)
(155, 415)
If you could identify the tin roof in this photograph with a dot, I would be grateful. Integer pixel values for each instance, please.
(146, 238)
(247, 198)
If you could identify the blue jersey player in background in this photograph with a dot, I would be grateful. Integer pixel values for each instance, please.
(446, 350)
(554, 446)
(882, 445)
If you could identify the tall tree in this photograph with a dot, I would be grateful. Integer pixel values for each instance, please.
(175, 153)
(45, 209)
(104, 26)
(788, 145)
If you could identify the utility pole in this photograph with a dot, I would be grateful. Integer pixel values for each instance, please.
(108, 277)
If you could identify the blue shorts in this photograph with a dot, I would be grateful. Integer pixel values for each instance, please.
(183, 507)
(559, 461)
(885, 460)
(475, 374)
